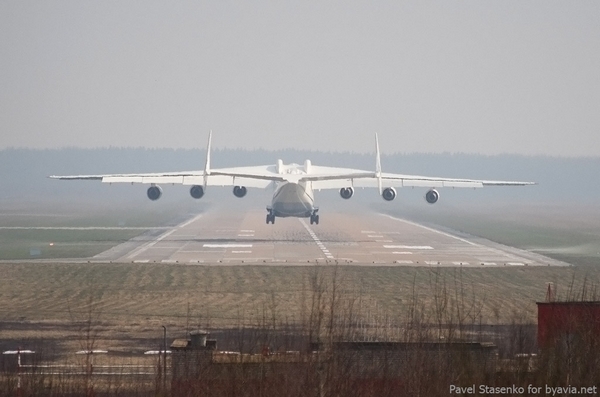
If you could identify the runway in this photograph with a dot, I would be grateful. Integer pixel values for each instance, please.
(238, 237)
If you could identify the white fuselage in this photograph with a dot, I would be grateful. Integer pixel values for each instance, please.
(293, 199)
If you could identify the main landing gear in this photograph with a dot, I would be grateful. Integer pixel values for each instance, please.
(314, 218)
(270, 216)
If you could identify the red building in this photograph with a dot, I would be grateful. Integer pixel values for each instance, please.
(566, 321)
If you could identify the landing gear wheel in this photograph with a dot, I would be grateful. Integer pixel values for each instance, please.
(314, 219)
(270, 218)
(317, 219)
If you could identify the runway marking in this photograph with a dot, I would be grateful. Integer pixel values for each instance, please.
(201, 251)
(375, 235)
(516, 264)
(316, 239)
(383, 241)
(241, 252)
(142, 261)
(196, 261)
(432, 262)
(492, 249)
(246, 231)
(434, 230)
(227, 245)
(160, 238)
(413, 247)
(403, 261)
(460, 263)
(488, 264)
(169, 261)
(402, 252)
(245, 235)
(367, 232)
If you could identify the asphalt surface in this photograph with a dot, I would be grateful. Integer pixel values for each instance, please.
(239, 237)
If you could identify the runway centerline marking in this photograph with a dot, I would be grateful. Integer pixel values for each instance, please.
(316, 239)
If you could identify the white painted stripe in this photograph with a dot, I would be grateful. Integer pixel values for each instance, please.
(375, 235)
(432, 262)
(241, 252)
(142, 261)
(460, 263)
(200, 251)
(190, 221)
(316, 239)
(169, 261)
(403, 261)
(247, 231)
(489, 264)
(433, 230)
(516, 263)
(245, 235)
(150, 244)
(196, 261)
(227, 245)
(402, 252)
(383, 241)
(161, 237)
(413, 247)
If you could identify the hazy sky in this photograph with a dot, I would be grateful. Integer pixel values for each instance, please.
(428, 76)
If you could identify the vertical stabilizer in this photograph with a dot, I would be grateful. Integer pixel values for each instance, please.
(207, 163)
(378, 165)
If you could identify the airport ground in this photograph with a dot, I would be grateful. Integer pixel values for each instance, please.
(220, 267)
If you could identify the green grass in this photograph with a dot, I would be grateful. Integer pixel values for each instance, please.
(64, 243)
(16, 244)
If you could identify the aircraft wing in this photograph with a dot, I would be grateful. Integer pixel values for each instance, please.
(358, 178)
(258, 177)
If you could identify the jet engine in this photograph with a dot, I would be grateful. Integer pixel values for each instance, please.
(197, 191)
(154, 192)
(239, 191)
(346, 192)
(432, 196)
(388, 194)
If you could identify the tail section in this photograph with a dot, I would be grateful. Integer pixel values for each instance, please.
(378, 165)
(207, 163)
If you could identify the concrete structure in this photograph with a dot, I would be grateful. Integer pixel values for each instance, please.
(341, 368)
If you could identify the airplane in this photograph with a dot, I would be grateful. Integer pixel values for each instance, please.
(293, 184)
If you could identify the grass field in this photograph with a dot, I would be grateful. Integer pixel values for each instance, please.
(23, 234)
(129, 302)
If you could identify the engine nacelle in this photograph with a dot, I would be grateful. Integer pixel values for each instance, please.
(388, 194)
(197, 191)
(154, 192)
(239, 191)
(346, 192)
(432, 196)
